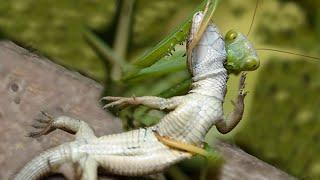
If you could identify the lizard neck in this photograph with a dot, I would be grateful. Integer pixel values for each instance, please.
(191, 121)
(211, 84)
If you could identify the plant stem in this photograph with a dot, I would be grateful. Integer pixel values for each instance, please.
(123, 28)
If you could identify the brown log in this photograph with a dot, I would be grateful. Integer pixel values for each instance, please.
(30, 83)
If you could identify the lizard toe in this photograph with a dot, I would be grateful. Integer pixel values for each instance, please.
(110, 98)
(44, 124)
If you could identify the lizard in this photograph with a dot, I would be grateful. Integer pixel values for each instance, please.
(178, 135)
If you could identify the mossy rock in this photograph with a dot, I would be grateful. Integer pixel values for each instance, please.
(283, 127)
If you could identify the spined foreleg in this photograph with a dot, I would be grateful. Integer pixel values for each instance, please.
(205, 151)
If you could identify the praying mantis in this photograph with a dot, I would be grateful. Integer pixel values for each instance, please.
(162, 59)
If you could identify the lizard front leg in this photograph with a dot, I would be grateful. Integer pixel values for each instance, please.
(226, 125)
(150, 101)
(48, 124)
(54, 158)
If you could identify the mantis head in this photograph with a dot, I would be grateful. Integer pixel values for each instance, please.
(241, 56)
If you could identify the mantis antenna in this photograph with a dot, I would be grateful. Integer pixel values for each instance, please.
(276, 50)
(253, 17)
(287, 52)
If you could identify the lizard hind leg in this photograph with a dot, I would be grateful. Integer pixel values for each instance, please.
(89, 168)
(48, 124)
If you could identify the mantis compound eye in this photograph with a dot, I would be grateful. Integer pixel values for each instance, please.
(251, 64)
(231, 35)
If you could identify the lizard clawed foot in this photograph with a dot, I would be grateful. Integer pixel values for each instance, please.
(242, 84)
(120, 102)
(241, 93)
(44, 124)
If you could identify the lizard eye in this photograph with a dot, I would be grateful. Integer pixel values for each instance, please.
(231, 35)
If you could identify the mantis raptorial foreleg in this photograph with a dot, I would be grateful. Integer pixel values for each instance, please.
(198, 32)
(178, 36)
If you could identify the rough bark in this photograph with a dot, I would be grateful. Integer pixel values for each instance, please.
(30, 83)
(241, 165)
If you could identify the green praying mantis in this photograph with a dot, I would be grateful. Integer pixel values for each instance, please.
(147, 64)
(162, 59)
(236, 49)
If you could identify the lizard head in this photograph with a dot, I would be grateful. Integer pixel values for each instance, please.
(241, 56)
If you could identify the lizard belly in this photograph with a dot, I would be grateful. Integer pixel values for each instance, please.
(191, 121)
(132, 153)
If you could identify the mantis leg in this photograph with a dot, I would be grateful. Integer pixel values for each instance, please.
(185, 147)
(199, 28)
(226, 125)
(150, 101)
(68, 124)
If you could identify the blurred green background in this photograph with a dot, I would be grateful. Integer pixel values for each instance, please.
(281, 123)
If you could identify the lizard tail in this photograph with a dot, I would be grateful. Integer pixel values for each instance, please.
(44, 163)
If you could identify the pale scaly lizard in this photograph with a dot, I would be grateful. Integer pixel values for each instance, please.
(177, 136)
